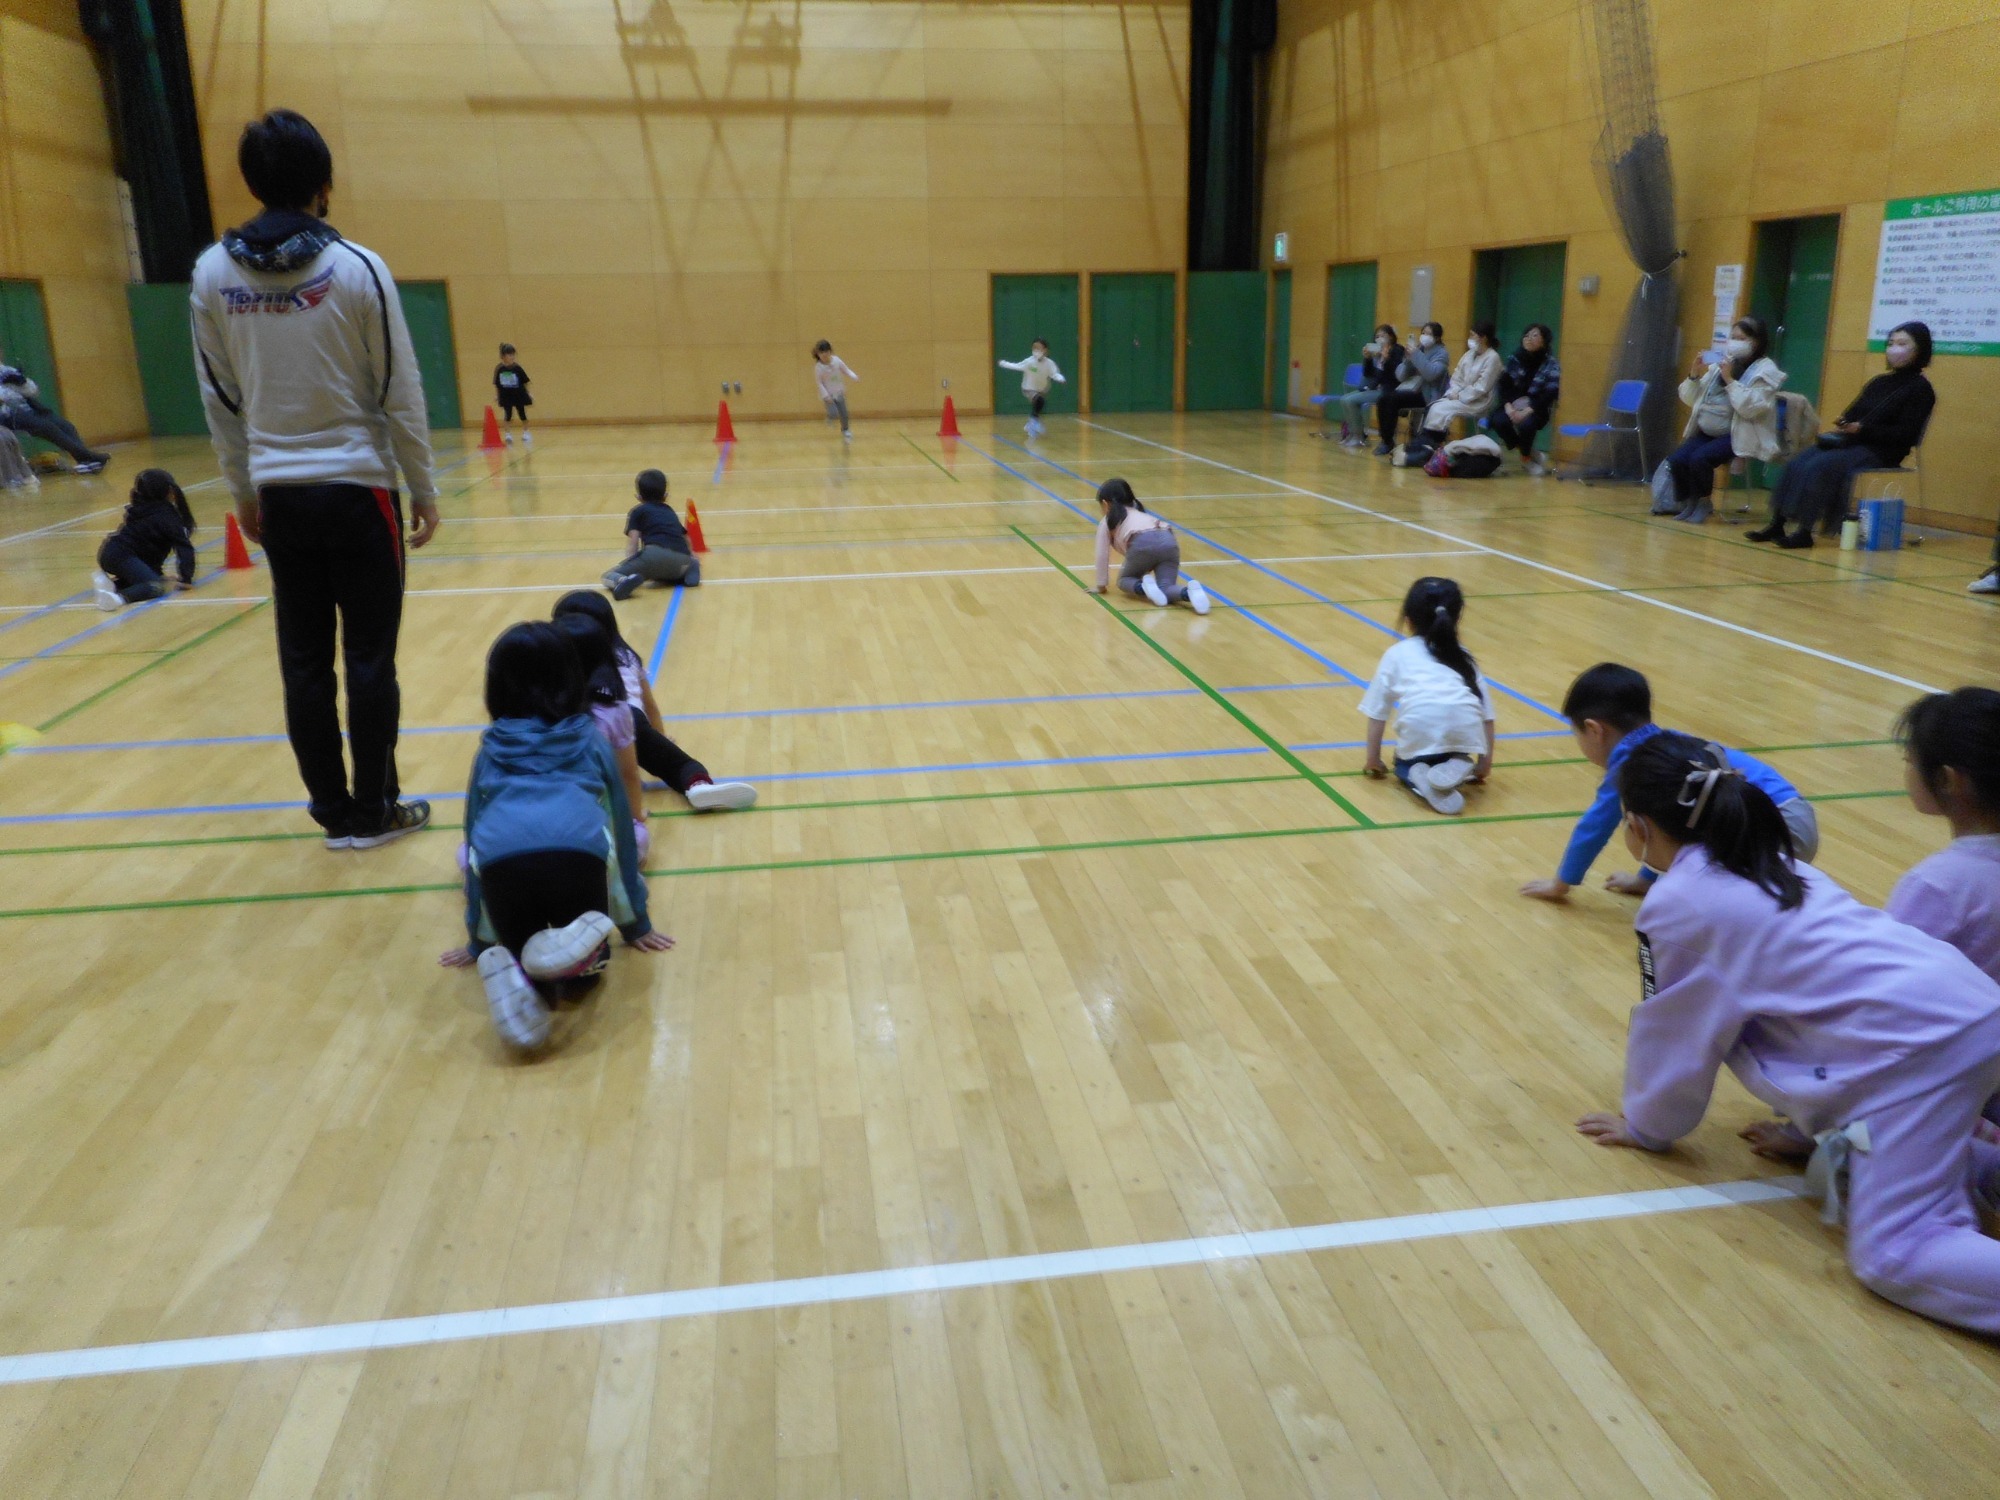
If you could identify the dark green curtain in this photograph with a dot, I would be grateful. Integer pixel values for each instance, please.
(1230, 40)
(149, 94)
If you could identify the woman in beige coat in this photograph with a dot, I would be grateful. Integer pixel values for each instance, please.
(1470, 394)
(1732, 413)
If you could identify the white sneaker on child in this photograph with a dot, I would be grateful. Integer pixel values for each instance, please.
(1438, 785)
(1153, 591)
(1197, 597)
(568, 952)
(721, 796)
(103, 593)
(527, 439)
(519, 1014)
(507, 438)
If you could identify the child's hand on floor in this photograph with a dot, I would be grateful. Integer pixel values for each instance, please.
(1607, 1130)
(1627, 885)
(1546, 890)
(653, 942)
(456, 958)
(1481, 769)
(1375, 768)
(1778, 1140)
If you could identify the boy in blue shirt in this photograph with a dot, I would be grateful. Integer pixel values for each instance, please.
(1610, 711)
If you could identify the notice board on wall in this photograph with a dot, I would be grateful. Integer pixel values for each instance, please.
(1940, 265)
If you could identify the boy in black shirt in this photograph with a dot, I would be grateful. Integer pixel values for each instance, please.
(656, 544)
(510, 384)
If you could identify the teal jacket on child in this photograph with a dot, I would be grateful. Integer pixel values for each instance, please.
(538, 787)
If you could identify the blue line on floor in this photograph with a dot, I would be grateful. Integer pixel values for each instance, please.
(127, 613)
(1256, 619)
(1312, 593)
(739, 713)
(942, 767)
(666, 634)
(47, 609)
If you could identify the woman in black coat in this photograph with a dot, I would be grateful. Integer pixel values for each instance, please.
(1877, 431)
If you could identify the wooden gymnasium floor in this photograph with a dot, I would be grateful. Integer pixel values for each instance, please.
(1067, 951)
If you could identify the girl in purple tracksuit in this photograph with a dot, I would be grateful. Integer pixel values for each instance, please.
(1882, 1042)
(1951, 747)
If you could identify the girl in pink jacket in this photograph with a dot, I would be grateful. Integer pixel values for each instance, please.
(1151, 551)
(1878, 1040)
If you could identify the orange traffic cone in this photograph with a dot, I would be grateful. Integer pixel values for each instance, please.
(725, 430)
(490, 438)
(695, 539)
(234, 553)
(949, 426)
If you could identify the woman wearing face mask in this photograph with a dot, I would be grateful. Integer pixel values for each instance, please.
(1877, 431)
(1530, 386)
(1420, 380)
(1733, 413)
(1379, 361)
(1470, 394)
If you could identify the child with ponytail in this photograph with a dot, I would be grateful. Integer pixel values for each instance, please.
(1151, 551)
(1444, 715)
(129, 561)
(1876, 1039)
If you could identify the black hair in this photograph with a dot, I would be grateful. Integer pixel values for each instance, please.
(1432, 607)
(597, 607)
(1435, 330)
(596, 655)
(158, 487)
(1485, 329)
(1043, 342)
(532, 672)
(1548, 336)
(1920, 335)
(1959, 729)
(1121, 499)
(822, 347)
(1758, 332)
(505, 350)
(284, 160)
(651, 484)
(1612, 695)
(1388, 328)
(1691, 792)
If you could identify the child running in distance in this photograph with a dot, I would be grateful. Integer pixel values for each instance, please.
(1151, 551)
(658, 755)
(656, 544)
(129, 561)
(1444, 716)
(510, 385)
(1875, 1038)
(551, 868)
(832, 373)
(1037, 370)
(1610, 711)
(604, 699)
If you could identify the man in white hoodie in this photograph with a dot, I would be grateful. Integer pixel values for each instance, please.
(314, 402)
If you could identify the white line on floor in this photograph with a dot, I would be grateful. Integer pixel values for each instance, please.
(698, 1302)
(1529, 562)
(54, 526)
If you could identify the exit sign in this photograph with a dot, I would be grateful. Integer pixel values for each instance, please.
(1281, 248)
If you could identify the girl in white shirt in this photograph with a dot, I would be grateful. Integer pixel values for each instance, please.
(1151, 551)
(831, 371)
(1444, 716)
(1037, 370)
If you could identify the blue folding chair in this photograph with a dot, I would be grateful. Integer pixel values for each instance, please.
(1625, 400)
(1350, 380)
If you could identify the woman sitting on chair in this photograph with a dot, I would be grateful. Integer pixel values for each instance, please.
(1470, 394)
(1733, 413)
(1877, 431)
(1530, 386)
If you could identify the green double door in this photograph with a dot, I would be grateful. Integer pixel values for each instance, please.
(1514, 287)
(1225, 340)
(1026, 308)
(1280, 386)
(24, 338)
(1132, 341)
(1350, 319)
(1791, 289)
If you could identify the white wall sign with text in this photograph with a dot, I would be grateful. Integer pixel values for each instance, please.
(1940, 265)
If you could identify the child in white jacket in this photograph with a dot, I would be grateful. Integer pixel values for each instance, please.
(1037, 370)
(832, 374)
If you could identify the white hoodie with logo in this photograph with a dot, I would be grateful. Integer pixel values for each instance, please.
(306, 367)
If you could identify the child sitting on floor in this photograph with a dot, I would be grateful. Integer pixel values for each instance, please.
(129, 561)
(551, 868)
(1444, 716)
(1610, 711)
(656, 544)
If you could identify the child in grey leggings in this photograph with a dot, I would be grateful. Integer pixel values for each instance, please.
(1151, 551)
